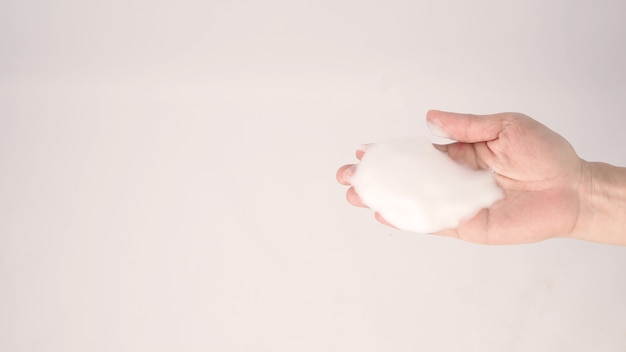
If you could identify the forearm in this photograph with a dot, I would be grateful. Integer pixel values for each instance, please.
(602, 216)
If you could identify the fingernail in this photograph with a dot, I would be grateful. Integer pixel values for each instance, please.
(438, 135)
(441, 140)
(436, 130)
(440, 147)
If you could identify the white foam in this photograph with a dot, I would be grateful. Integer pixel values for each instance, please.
(420, 189)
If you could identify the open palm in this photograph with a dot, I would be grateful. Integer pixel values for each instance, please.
(538, 170)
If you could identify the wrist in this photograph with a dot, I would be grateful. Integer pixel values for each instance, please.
(602, 204)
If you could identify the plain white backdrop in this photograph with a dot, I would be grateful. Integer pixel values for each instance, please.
(167, 174)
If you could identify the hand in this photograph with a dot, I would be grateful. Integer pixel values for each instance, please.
(539, 171)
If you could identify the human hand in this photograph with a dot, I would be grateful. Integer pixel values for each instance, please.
(539, 171)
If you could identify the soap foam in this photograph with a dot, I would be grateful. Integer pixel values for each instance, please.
(417, 188)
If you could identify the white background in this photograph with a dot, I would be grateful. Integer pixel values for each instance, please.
(167, 174)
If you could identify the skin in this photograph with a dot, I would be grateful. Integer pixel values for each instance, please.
(549, 191)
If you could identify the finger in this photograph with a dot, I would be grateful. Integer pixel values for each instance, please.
(465, 127)
(354, 199)
(441, 147)
(473, 155)
(382, 220)
(360, 151)
(344, 174)
(453, 233)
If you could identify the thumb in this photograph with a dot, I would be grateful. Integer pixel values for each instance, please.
(465, 128)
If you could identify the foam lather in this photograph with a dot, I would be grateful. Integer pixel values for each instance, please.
(418, 188)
